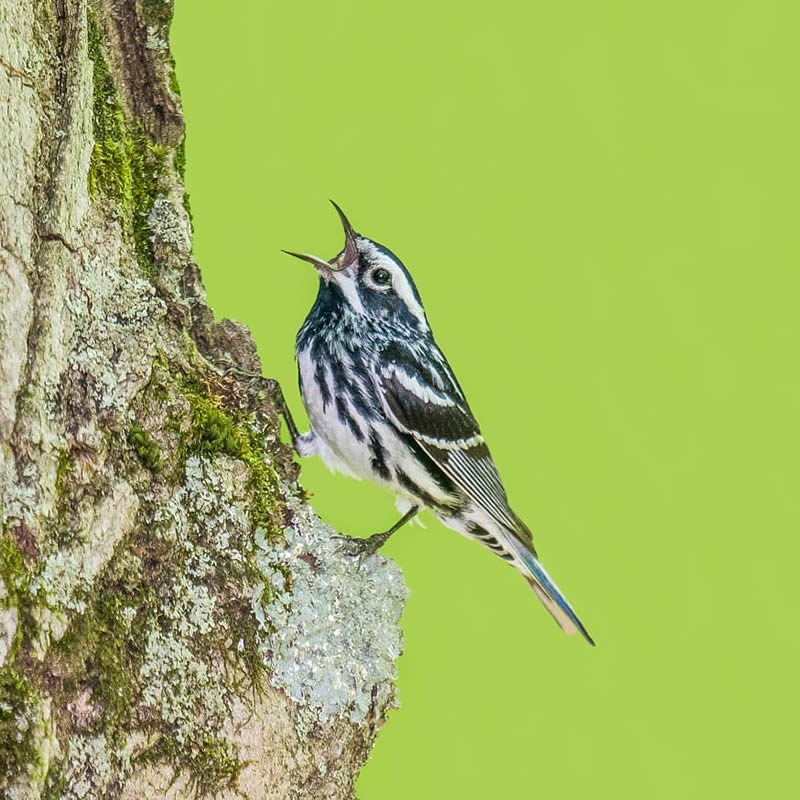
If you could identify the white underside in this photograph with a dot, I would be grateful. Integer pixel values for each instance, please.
(341, 451)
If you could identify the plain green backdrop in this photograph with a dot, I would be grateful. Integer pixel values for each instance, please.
(599, 203)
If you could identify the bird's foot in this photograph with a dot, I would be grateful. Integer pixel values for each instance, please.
(361, 548)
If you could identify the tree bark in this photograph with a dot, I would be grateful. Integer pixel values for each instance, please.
(174, 619)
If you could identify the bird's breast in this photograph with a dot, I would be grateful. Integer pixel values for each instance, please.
(339, 410)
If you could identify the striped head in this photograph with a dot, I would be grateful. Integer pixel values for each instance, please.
(367, 280)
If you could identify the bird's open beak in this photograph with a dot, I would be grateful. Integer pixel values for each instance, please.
(323, 267)
(346, 258)
(349, 254)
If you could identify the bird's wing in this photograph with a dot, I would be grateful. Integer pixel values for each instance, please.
(422, 397)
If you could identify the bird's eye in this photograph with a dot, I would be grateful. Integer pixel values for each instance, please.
(381, 276)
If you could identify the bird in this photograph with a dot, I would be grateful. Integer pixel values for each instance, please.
(384, 405)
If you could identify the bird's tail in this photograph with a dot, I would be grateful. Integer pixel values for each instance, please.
(546, 590)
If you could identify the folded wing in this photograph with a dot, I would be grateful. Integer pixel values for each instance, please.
(422, 397)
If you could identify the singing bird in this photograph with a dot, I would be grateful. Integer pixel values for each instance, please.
(385, 405)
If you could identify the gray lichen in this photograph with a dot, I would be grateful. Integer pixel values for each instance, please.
(68, 574)
(332, 604)
(122, 306)
(89, 769)
(205, 526)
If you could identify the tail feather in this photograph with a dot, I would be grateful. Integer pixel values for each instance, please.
(546, 590)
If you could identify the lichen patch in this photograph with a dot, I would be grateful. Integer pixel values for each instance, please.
(69, 573)
(332, 604)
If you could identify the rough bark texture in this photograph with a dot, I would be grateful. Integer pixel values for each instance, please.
(174, 620)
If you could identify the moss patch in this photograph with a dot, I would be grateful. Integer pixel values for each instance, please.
(214, 767)
(12, 563)
(214, 431)
(17, 742)
(222, 427)
(103, 648)
(18, 698)
(16, 579)
(145, 448)
(180, 159)
(158, 12)
(125, 163)
(63, 469)
(174, 86)
(55, 782)
(212, 764)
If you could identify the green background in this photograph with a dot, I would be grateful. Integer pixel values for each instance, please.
(599, 203)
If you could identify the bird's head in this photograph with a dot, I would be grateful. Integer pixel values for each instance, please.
(369, 279)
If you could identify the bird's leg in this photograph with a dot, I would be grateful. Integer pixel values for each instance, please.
(272, 388)
(363, 548)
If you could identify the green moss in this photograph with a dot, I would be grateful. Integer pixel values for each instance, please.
(161, 360)
(17, 743)
(180, 166)
(63, 469)
(104, 646)
(63, 499)
(145, 448)
(180, 158)
(12, 564)
(214, 767)
(55, 782)
(188, 206)
(262, 483)
(233, 433)
(158, 12)
(174, 86)
(16, 577)
(214, 431)
(125, 163)
(211, 763)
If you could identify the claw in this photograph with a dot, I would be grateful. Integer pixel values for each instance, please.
(360, 548)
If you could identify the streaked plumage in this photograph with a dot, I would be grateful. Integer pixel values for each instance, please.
(384, 405)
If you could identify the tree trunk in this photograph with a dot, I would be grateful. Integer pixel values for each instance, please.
(174, 620)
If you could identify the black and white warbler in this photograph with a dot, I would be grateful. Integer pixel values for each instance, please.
(384, 405)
